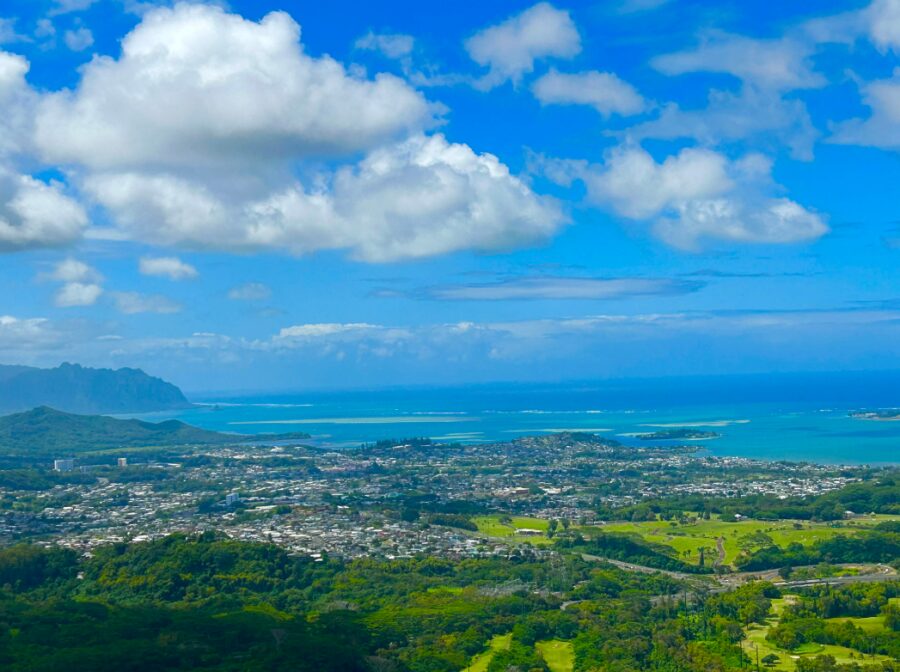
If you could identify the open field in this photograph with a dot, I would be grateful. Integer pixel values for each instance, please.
(492, 526)
(480, 662)
(687, 539)
(558, 654)
(755, 642)
(869, 624)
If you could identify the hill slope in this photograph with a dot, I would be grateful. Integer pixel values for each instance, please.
(44, 430)
(77, 389)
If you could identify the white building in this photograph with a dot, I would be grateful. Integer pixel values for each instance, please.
(63, 465)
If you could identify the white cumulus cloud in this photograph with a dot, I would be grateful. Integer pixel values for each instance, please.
(603, 91)
(882, 19)
(172, 268)
(230, 154)
(224, 89)
(79, 39)
(879, 22)
(35, 214)
(510, 49)
(78, 294)
(699, 194)
(81, 283)
(423, 197)
(18, 101)
(73, 270)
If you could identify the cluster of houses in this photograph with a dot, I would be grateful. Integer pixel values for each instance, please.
(379, 502)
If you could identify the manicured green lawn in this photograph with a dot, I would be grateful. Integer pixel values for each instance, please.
(558, 654)
(492, 526)
(870, 624)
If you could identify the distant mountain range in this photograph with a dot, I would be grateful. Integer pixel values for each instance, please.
(46, 431)
(77, 389)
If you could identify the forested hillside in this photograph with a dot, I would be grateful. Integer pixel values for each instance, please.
(209, 603)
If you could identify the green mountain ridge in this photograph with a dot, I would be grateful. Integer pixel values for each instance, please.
(44, 431)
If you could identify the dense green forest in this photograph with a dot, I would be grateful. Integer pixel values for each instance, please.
(209, 603)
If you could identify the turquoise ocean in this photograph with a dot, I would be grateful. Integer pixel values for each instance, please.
(797, 417)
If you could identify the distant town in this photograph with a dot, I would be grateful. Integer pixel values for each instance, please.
(386, 500)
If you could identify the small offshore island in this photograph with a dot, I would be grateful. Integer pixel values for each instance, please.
(883, 415)
(680, 434)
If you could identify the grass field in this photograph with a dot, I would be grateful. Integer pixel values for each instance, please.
(869, 624)
(687, 539)
(492, 526)
(559, 655)
(755, 641)
(480, 662)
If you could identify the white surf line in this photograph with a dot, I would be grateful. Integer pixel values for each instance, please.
(706, 423)
(556, 430)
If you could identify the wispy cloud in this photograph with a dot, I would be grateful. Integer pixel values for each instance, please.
(133, 303)
(636, 6)
(251, 291)
(560, 288)
(8, 32)
(716, 273)
(391, 45)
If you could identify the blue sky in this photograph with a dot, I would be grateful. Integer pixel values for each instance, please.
(271, 195)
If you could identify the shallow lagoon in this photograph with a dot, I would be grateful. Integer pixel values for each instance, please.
(790, 417)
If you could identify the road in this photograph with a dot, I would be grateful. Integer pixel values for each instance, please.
(638, 568)
(873, 574)
(724, 583)
(720, 549)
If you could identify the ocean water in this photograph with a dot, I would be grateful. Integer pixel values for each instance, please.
(777, 417)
